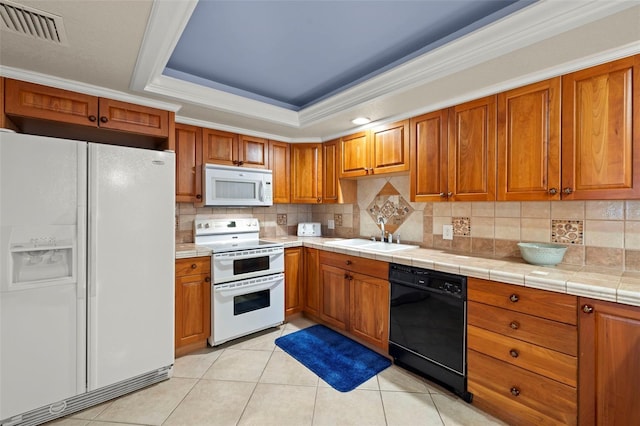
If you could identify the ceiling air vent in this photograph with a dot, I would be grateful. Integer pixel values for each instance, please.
(32, 22)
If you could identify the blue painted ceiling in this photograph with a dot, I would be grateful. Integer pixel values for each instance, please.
(295, 53)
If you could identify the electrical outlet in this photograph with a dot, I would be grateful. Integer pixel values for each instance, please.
(447, 232)
(331, 224)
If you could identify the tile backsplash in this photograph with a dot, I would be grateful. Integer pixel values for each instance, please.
(598, 233)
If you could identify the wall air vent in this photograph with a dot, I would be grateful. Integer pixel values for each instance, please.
(32, 22)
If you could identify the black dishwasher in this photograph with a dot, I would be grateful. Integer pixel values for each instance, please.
(427, 330)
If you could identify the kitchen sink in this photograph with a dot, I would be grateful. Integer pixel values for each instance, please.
(360, 243)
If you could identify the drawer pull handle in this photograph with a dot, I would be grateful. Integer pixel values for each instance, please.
(514, 298)
(348, 262)
(515, 391)
(514, 353)
(587, 309)
(514, 325)
(194, 266)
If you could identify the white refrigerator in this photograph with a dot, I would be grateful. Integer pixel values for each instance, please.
(86, 274)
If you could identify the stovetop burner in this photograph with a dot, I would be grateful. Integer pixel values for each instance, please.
(223, 235)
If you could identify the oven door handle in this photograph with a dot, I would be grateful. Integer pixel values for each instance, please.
(225, 260)
(224, 289)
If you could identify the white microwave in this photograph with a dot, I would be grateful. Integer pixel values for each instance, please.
(237, 186)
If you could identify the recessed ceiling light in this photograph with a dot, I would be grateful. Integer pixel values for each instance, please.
(361, 120)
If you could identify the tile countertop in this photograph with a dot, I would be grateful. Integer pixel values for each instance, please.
(589, 281)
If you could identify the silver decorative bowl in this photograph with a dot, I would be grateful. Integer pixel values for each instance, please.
(544, 254)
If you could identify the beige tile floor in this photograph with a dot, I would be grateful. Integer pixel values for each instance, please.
(253, 382)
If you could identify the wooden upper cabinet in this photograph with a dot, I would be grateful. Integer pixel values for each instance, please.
(389, 145)
(188, 147)
(472, 150)
(354, 158)
(601, 131)
(253, 152)
(330, 153)
(383, 149)
(279, 159)
(132, 118)
(306, 173)
(219, 147)
(48, 103)
(529, 142)
(429, 157)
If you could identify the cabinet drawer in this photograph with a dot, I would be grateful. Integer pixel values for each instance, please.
(547, 362)
(194, 265)
(541, 303)
(526, 396)
(374, 268)
(538, 331)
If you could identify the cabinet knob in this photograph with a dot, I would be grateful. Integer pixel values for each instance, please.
(514, 325)
(449, 194)
(587, 309)
(92, 118)
(236, 162)
(567, 190)
(207, 279)
(366, 170)
(319, 200)
(198, 196)
(442, 195)
(514, 353)
(103, 119)
(514, 298)
(348, 262)
(553, 191)
(515, 391)
(240, 163)
(194, 266)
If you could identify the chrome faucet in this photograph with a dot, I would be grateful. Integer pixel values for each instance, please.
(381, 221)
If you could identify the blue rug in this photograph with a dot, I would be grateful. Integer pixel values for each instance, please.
(338, 360)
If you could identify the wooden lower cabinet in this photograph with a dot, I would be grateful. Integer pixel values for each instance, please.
(293, 274)
(192, 304)
(522, 353)
(354, 297)
(312, 281)
(609, 363)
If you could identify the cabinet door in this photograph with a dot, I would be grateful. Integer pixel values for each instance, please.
(312, 281)
(306, 173)
(472, 150)
(47, 103)
(429, 157)
(279, 162)
(354, 160)
(330, 189)
(293, 273)
(253, 152)
(529, 142)
(188, 163)
(389, 145)
(219, 147)
(609, 367)
(601, 131)
(133, 118)
(334, 296)
(369, 309)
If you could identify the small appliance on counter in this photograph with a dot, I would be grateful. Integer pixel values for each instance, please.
(309, 229)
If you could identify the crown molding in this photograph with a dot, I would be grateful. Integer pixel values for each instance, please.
(541, 20)
(89, 89)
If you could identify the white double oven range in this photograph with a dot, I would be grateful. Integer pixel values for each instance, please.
(247, 293)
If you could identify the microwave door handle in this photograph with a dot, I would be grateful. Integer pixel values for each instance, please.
(261, 190)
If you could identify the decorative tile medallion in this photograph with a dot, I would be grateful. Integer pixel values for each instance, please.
(390, 207)
(282, 219)
(567, 231)
(461, 226)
